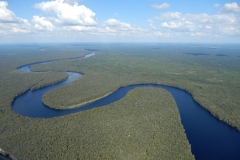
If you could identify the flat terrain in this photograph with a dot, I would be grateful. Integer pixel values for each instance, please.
(145, 123)
(213, 80)
(127, 129)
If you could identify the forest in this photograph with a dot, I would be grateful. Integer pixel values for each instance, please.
(143, 125)
(212, 80)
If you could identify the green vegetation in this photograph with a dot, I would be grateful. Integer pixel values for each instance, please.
(213, 81)
(143, 114)
(136, 127)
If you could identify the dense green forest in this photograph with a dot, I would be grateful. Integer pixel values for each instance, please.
(144, 124)
(212, 80)
(136, 127)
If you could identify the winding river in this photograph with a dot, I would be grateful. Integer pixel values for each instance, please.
(209, 137)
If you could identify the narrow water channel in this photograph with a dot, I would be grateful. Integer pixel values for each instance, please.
(210, 138)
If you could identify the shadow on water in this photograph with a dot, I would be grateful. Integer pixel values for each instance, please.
(209, 137)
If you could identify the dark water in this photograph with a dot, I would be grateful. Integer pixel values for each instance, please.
(209, 138)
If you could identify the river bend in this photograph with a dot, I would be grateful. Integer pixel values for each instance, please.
(209, 137)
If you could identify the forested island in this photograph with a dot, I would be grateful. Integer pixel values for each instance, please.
(143, 125)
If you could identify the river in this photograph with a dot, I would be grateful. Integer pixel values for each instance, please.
(209, 137)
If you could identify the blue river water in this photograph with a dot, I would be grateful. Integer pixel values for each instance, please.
(209, 137)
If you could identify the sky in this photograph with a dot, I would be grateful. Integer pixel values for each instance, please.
(185, 21)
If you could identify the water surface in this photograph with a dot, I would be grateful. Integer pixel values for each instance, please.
(209, 138)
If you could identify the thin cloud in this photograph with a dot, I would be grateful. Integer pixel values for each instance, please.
(179, 26)
(216, 5)
(117, 24)
(170, 16)
(162, 6)
(161, 34)
(200, 24)
(152, 26)
(122, 28)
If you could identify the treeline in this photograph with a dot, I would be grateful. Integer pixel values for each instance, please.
(213, 81)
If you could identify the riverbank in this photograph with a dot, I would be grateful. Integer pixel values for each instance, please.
(212, 84)
(135, 127)
(212, 87)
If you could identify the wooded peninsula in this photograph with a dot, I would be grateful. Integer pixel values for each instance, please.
(145, 124)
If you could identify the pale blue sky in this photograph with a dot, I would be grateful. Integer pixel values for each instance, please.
(215, 21)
